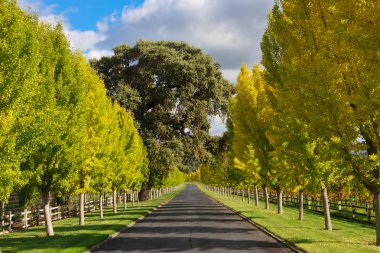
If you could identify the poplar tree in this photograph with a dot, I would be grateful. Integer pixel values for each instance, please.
(250, 122)
(54, 128)
(128, 155)
(40, 105)
(320, 53)
(19, 76)
(94, 127)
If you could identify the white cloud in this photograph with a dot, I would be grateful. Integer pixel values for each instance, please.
(37, 6)
(218, 126)
(149, 7)
(54, 19)
(230, 31)
(102, 26)
(230, 74)
(191, 4)
(84, 40)
(104, 23)
(97, 54)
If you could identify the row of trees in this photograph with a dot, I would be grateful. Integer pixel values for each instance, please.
(309, 121)
(59, 132)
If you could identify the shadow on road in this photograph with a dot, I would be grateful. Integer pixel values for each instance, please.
(192, 222)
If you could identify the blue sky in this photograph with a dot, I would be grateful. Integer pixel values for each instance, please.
(84, 14)
(229, 31)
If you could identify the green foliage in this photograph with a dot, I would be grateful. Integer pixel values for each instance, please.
(171, 88)
(19, 76)
(347, 236)
(317, 55)
(60, 133)
(194, 176)
(251, 114)
(129, 155)
(309, 120)
(57, 117)
(174, 178)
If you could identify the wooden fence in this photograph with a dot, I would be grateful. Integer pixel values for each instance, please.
(354, 210)
(11, 220)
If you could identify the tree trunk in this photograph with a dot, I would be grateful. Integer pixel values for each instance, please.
(266, 197)
(256, 196)
(144, 193)
(119, 198)
(279, 200)
(242, 195)
(68, 206)
(81, 208)
(376, 200)
(2, 210)
(249, 196)
(133, 198)
(114, 200)
(47, 215)
(125, 200)
(26, 218)
(326, 209)
(101, 200)
(300, 203)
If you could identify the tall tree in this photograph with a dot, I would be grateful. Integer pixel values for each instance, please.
(94, 125)
(250, 114)
(320, 52)
(171, 88)
(128, 155)
(19, 76)
(55, 120)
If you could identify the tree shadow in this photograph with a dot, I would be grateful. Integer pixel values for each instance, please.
(187, 230)
(179, 244)
(58, 242)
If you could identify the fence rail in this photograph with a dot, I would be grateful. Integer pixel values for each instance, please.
(22, 219)
(355, 210)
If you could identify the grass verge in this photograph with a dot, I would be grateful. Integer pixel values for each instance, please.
(70, 237)
(307, 235)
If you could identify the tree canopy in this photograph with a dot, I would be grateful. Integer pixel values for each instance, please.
(58, 129)
(172, 89)
(316, 124)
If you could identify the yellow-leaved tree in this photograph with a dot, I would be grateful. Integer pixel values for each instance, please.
(250, 114)
(325, 56)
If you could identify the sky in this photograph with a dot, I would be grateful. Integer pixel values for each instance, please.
(229, 31)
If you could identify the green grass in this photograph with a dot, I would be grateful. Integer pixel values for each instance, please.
(70, 237)
(308, 235)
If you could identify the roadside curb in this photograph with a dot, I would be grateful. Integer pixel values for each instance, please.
(261, 228)
(124, 229)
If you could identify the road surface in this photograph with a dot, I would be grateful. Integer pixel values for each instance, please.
(192, 222)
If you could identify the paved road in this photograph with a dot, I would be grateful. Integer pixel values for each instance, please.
(192, 222)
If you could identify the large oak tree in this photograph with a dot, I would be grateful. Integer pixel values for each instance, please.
(172, 89)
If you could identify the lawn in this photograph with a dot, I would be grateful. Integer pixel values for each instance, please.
(308, 235)
(70, 237)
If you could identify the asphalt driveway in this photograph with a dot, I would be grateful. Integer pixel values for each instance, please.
(192, 222)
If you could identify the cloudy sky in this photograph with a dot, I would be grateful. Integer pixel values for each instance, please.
(229, 31)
